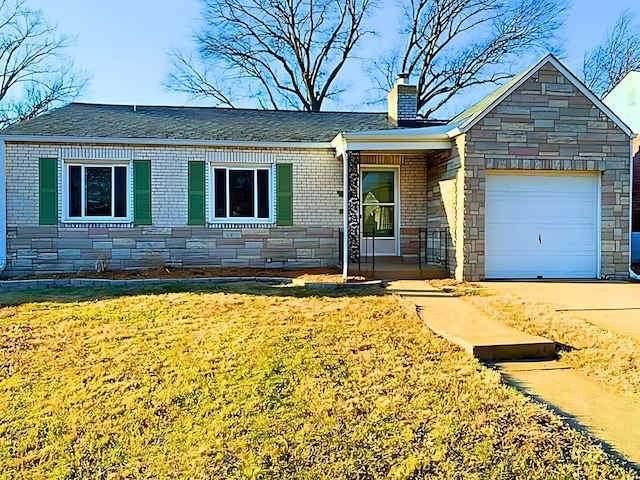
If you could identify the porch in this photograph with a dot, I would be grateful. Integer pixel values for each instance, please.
(426, 258)
(396, 221)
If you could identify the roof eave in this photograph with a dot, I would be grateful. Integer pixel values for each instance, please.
(390, 140)
(161, 141)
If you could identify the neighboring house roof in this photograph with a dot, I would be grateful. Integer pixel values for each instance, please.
(83, 120)
(470, 117)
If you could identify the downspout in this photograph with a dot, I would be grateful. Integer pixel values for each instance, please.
(632, 274)
(345, 216)
(3, 209)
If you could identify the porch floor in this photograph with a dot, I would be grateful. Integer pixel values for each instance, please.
(388, 270)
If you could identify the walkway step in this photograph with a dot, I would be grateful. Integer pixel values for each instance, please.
(607, 416)
(469, 327)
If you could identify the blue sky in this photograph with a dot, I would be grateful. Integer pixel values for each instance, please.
(123, 44)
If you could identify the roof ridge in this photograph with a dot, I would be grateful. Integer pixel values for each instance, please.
(228, 109)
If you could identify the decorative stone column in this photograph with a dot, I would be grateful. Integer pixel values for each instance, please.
(353, 205)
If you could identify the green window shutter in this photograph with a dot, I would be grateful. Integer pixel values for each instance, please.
(284, 194)
(142, 192)
(48, 191)
(196, 193)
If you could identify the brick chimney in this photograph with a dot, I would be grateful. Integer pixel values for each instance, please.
(403, 101)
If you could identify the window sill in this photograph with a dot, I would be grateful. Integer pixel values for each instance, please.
(236, 224)
(89, 224)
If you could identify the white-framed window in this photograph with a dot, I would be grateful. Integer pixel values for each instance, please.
(96, 191)
(242, 193)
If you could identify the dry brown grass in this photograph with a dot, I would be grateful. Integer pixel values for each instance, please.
(259, 382)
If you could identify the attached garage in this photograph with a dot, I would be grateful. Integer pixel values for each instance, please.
(542, 225)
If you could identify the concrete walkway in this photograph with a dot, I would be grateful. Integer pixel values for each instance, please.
(613, 419)
(472, 329)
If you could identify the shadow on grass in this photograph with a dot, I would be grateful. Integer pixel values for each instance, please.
(70, 294)
(573, 421)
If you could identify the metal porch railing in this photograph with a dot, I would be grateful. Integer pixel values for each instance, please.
(434, 247)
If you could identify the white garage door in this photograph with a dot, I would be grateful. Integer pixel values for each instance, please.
(541, 226)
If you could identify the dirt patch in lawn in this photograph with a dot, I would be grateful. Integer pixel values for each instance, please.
(320, 274)
(460, 289)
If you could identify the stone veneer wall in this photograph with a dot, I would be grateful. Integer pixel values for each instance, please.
(58, 249)
(442, 198)
(548, 125)
(312, 241)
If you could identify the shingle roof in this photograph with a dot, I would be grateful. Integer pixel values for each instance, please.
(196, 123)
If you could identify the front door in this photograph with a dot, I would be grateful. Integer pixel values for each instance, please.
(379, 227)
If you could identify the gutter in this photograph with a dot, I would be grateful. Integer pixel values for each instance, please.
(3, 209)
(160, 141)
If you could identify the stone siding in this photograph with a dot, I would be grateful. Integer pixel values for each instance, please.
(312, 241)
(442, 201)
(547, 124)
(59, 249)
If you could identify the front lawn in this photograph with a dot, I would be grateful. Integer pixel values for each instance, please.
(260, 382)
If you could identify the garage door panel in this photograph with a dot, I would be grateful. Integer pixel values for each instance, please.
(542, 211)
(508, 240)
(576, 238)
(559, 266)
(557, 184)
(543, 183)
(541, 226)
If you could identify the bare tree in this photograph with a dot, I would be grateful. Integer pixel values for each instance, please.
(35, 74)
(607, 64)
(451, 45)
(284, 53)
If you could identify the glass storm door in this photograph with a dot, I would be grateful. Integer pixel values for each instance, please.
(379, 227)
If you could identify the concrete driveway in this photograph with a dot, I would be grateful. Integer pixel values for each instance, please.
(614, 306)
